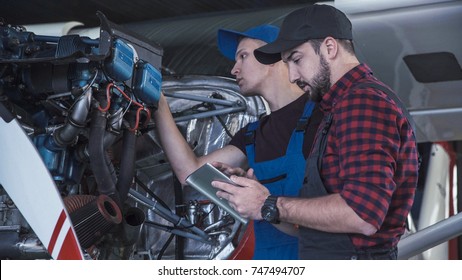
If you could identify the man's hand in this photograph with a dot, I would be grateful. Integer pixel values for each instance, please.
(247, 199)
(229, 170)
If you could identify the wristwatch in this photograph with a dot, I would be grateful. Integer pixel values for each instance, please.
(269, 210)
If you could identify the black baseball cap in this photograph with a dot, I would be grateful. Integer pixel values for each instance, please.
(311, 22)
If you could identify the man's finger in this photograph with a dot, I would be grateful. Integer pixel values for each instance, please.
(223, 195)
(223, 186)
(242, 181)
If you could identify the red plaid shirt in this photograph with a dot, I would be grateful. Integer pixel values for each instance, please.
(371, 156)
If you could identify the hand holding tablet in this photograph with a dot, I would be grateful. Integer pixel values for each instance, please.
(202, 179)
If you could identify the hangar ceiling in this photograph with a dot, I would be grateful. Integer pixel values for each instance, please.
(393, 37)
(186, 29)
(125, 11)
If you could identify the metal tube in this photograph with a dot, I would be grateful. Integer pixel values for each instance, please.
(167, 214)
(430, 237)
(183, 233)
(210, 113)
(429, 112)
(201, 98)
(76, 121)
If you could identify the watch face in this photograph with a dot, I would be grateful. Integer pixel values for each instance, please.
(269, 210)
(268, 213)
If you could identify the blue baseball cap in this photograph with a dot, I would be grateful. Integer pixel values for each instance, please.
(229, 39)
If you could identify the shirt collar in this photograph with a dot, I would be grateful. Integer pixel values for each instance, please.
(341, 87)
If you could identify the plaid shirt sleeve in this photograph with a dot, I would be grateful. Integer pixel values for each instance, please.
(367, 133)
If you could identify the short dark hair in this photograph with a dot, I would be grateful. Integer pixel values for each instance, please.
(346, 44)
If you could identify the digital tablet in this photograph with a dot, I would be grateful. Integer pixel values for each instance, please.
(201, 180)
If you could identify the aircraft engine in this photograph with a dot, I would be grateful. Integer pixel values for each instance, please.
(85, 105)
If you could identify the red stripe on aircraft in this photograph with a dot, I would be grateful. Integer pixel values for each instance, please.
(71, 248)
(56, 231)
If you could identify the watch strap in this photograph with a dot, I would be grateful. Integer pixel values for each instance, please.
(271, 202)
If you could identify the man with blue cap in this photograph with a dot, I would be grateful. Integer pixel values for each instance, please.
(275, 147)
(363, 168)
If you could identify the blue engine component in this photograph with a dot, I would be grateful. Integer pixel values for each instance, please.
(120, 65)
(61, 163)
(74, 98)
(147, 83)
(52, 81)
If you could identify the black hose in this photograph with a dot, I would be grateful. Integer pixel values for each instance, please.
(110, 167)
(97, 154)
(76, 121)
(127, 164)
(151, 193)
(164, 248)
(179, 240)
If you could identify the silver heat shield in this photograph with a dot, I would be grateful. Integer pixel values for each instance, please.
(204, 134)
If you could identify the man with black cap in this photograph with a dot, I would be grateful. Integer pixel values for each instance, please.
(363, 168)
(266, 145)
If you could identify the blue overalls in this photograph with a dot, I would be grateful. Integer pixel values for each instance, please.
(282, 176)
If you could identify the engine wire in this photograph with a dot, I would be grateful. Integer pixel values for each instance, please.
(141, 107)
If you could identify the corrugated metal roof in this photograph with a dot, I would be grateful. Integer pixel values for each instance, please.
(185, 29)
(190, 43)
(123, 11)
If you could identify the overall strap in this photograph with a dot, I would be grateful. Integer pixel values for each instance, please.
(250, 141)
(304, 119)
(399, 103)
(322, 144)
(395, 98)
(250, 133)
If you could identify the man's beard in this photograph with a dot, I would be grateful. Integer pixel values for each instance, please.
(321, 82)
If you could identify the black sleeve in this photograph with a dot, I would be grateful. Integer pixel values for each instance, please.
(238, 139)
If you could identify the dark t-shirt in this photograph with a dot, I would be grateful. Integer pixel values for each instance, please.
(274, 132)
